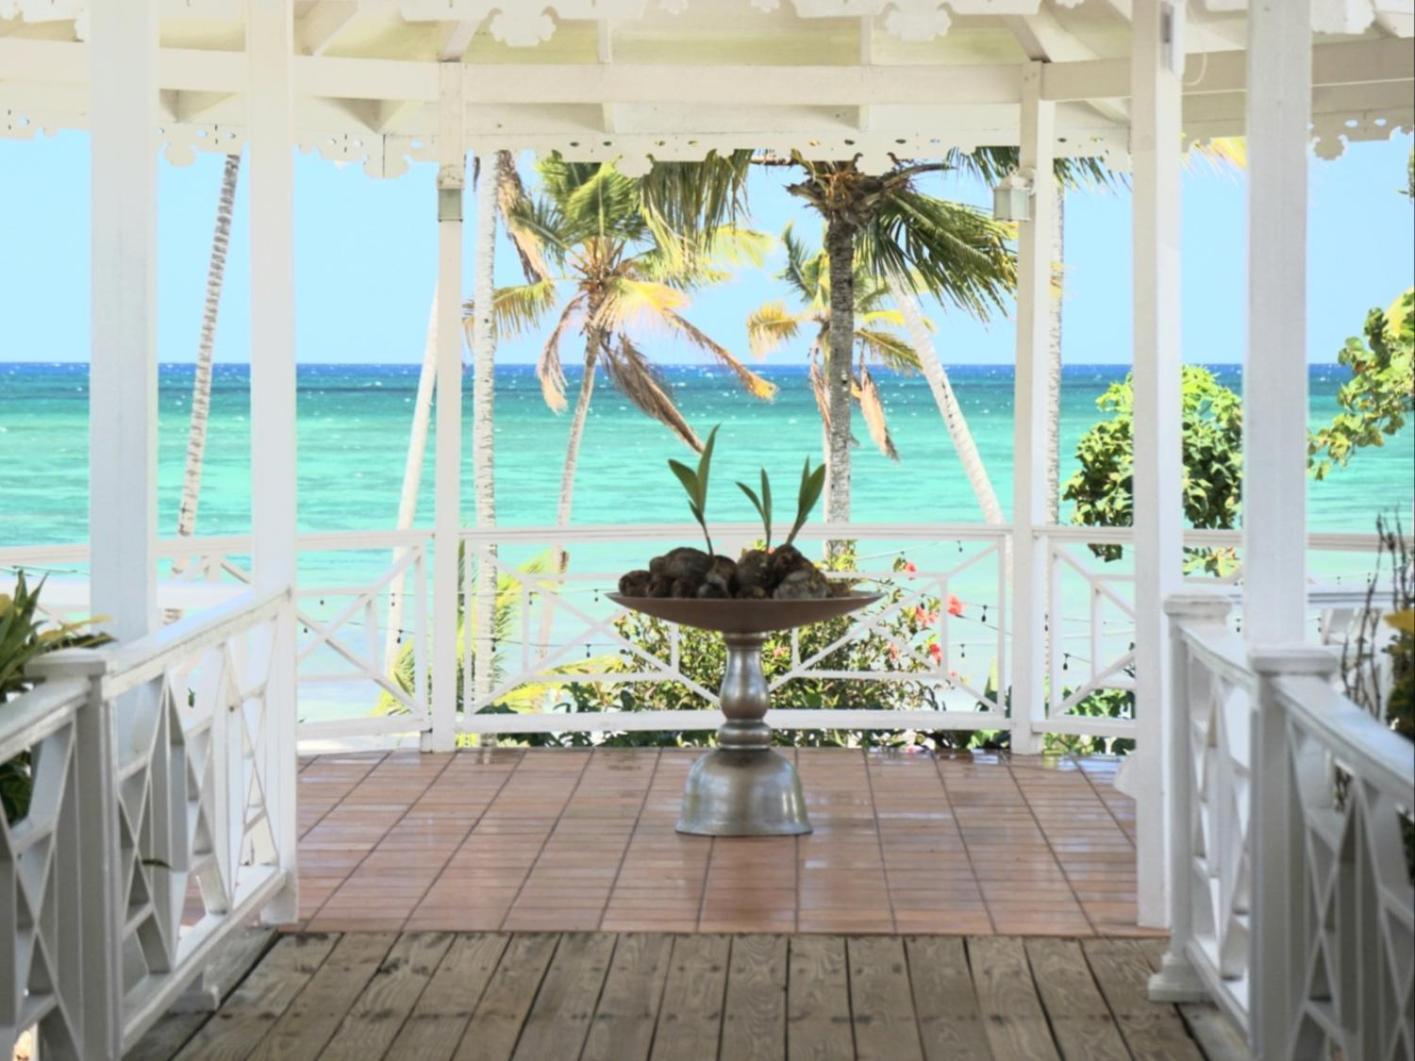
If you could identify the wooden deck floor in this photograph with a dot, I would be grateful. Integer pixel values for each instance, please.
(429, 996)
(575, 840)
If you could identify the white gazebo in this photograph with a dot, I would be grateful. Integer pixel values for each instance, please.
(1265, 881)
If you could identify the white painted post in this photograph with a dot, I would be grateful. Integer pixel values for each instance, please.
(447, 520)
(1277, 972)
(1029, 405)
(1177, 980)
(123, 369)
(1157, 62)
(1279, 109)
(269, 101)
(1275, 366)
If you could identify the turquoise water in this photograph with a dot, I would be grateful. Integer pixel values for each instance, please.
(354, 423)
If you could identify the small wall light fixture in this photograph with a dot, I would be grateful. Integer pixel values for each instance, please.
(1012, 198)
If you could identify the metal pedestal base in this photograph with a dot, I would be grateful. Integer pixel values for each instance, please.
(743, 787)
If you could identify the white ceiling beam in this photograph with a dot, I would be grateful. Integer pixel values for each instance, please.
(530, 85)
(320, 25)
(1043, 38)
(604, 52)
(459, 39)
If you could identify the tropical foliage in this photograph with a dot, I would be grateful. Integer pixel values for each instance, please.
(505, 615)
(617, 268)
(24, 636)
(906, 643)
(888, 227)
(1102, 489)
(1375, 402)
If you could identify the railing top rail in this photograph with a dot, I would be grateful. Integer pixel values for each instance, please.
(1366, 747)
(690, 532)
(125, 666)
(131, 664)
(1221, 650)
(38, 712)
(1067, 532)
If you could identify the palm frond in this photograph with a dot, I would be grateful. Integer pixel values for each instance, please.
(769, 326)
(605, 206)
(755, 385)
(954, 251)
(514, 204)
(695, 198)
(818, 389)
(802, 270)
(518, 308)
(892, 351)
(549, 371)
(626, 301)
(872, 412)
(635, 378)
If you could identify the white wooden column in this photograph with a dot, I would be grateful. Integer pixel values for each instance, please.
(123, 367)
(1029, 511)
(483, 418)
(1275, 363)
(269, 48)
(447, 519)
(1155, 150)
(1275, 485)
(123, 121)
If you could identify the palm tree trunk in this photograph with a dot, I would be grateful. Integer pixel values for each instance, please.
(577, 431)
(1053, 396)
(483, 423)
(201, 383)
(947, 401)
(412, 479)
(840, 249)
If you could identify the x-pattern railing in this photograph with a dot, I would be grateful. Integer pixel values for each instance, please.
(155, 828)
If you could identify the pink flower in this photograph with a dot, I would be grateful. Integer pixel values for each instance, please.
(936, 651)
(955, 606)
(910, 568)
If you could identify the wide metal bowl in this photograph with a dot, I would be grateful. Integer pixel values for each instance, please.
(731, 616)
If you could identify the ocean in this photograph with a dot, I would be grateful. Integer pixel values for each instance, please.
(354, 424)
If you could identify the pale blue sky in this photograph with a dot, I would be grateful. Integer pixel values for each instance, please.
(366, 258)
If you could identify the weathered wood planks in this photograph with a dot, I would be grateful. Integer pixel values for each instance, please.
(595, 996)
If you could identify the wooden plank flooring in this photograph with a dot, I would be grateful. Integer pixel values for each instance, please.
(435, 996)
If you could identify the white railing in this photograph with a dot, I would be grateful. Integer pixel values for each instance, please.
(161, 820)
(365, 635)
(1292, 899)
(559, 630)
(1091, 619)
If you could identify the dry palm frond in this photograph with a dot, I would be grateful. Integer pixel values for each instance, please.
(756, 386)
(818, 389)
(512, 203)
(872, 409)
(769, 327)
(549, 370)
(636, 379)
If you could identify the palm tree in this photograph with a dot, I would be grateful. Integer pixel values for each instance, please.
(618, 265)
(948, 249)
(201, 382)
(876, 338)
(916, 327)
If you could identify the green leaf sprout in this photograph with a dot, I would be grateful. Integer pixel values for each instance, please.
(695, 485)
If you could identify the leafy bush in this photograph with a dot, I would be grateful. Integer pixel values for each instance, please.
(702, 659)
(24, 636)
